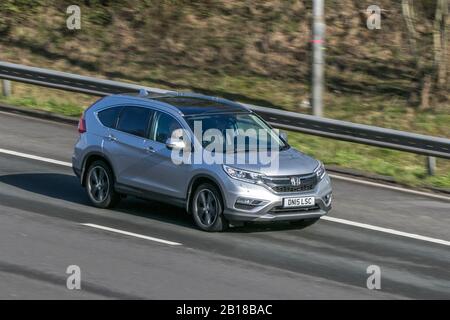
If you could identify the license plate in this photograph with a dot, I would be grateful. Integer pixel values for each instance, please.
(298, 202)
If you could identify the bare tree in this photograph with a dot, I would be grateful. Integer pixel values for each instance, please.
(440, 37)
(431, 65)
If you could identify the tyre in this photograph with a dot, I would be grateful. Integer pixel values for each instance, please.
(100, 185)
(305, 222)
(207, 209)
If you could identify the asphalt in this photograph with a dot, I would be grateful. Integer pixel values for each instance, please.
(43, 209)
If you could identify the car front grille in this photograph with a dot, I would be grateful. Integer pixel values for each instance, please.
(283, 189)
(283, 184)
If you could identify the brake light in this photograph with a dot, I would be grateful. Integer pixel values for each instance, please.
(82, 124)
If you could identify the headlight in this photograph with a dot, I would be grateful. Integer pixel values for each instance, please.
(244, 175)
(320, 171)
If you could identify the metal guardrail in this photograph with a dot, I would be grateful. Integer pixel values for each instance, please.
(324, 127)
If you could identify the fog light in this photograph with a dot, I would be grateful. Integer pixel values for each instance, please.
(248, 203)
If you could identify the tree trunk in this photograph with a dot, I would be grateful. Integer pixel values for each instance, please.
(440, 40)
(425, 92)
(409, 16)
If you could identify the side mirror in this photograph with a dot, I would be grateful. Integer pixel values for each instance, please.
(175, 144)
(284, 136)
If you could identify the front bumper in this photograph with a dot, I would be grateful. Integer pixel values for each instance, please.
(271, 209)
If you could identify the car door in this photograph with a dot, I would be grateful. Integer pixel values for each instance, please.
(168, 178)
(127, 145)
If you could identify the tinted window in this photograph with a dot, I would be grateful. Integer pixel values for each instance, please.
(109, 116)
(134, 120)
(164, 126)
(254, 132)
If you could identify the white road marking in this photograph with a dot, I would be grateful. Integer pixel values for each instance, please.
(30, 156)
(136, 235)
(386, 230)
(348, 222)
(386, 186)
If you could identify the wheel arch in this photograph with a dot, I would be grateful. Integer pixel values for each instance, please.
(196, 181)
(90, 158)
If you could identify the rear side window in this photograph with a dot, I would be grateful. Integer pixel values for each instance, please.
(134, 120)
(108, 117)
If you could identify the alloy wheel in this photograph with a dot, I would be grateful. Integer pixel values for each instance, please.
(98, 184)
(206, 206)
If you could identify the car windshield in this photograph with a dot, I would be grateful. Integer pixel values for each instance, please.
(235, 132)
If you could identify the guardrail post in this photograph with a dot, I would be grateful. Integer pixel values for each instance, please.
(431, 165)
(6, 88)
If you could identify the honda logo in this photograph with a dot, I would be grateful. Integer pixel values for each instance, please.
(296, 181)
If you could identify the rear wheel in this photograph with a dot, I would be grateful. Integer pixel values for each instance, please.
(207, 209)
(100, 185)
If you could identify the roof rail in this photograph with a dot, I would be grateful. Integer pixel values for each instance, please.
(209, 98)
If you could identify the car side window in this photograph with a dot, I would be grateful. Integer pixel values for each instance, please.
(135, 120)
(108, 117)
(163, 127)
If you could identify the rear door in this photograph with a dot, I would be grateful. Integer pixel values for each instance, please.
(127, 145)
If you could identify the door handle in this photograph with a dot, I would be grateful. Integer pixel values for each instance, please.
(112, 138)
(150, 149)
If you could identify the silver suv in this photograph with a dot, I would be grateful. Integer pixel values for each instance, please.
(131, 144)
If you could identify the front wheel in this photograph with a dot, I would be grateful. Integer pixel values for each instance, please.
(100, 185)
(207, 209)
